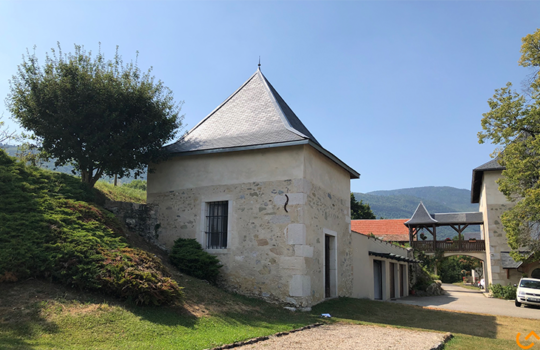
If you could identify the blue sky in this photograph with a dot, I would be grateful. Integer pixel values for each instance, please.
(394, 89)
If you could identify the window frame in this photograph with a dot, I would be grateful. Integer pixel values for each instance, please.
(202, 237)
(214, 228)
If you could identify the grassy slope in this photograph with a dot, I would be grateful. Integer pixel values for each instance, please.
(52, 228)
(39, 315)
(120, 193)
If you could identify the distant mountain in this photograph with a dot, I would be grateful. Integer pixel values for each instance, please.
(453, 199)
(67, 169)
(401, 203)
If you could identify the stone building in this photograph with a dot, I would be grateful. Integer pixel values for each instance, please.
(256, 189)
(500, 267)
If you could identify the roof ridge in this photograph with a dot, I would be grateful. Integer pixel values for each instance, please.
(273, 92)
(283, 117)
(218, 107)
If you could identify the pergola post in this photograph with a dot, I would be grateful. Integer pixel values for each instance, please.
(410, 236)
(434, 238)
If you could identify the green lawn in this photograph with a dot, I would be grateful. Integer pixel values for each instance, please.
(40, 315)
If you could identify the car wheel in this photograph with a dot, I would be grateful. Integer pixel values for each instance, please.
(518, 304)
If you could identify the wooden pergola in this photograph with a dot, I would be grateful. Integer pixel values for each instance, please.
(422, 220)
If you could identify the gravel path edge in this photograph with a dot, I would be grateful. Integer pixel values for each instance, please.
(259, 339)
(446, 339)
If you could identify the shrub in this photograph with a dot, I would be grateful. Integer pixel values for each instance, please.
(423, 279)
(503, 292)
(137, 276)
(49, 229)
(189, 257)
(136, 184)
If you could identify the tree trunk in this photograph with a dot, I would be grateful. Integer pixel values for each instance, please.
(87, 176)
(115, 180)
(84, 176)
(96, 177)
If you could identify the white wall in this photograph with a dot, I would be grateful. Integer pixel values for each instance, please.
(271, 164)
(363, 279)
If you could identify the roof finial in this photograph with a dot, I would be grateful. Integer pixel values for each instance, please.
(259, 62)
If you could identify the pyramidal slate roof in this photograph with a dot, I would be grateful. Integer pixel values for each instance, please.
(421, 216)
(255, 116)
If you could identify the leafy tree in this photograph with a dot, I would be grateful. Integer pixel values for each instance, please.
(513, 123)
(451, 269)
(359, 210)
(103, 116)
(5, 134)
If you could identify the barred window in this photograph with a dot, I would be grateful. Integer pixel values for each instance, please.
(216, 224)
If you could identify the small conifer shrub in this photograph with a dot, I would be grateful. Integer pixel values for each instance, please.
(189, 257)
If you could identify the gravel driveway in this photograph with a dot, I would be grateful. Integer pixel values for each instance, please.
(341, 337)
(461, 299)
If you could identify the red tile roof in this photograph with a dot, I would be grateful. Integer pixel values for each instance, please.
(389, 230)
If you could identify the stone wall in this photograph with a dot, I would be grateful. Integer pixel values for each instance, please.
(139, 218)
(259, 260)
(272, 253)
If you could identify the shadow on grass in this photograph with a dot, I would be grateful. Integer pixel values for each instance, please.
(165, 316)
(19, 325)
(393, 314)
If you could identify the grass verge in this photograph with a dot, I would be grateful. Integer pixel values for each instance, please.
(466, 286)
(121, 193)
(40, 315)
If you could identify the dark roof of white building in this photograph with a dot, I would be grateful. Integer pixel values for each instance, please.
(477, 175)
(255, 116)
(508, 262)
(472, 218)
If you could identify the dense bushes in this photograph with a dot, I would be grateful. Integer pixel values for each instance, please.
(49, 229)
(189, 257)
(503, 292)
(423, 279)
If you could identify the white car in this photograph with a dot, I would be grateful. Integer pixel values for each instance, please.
(528, 292)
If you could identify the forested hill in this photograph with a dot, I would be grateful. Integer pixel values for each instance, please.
(401, 203)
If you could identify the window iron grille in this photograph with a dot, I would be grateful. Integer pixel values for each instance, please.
(216, 224)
